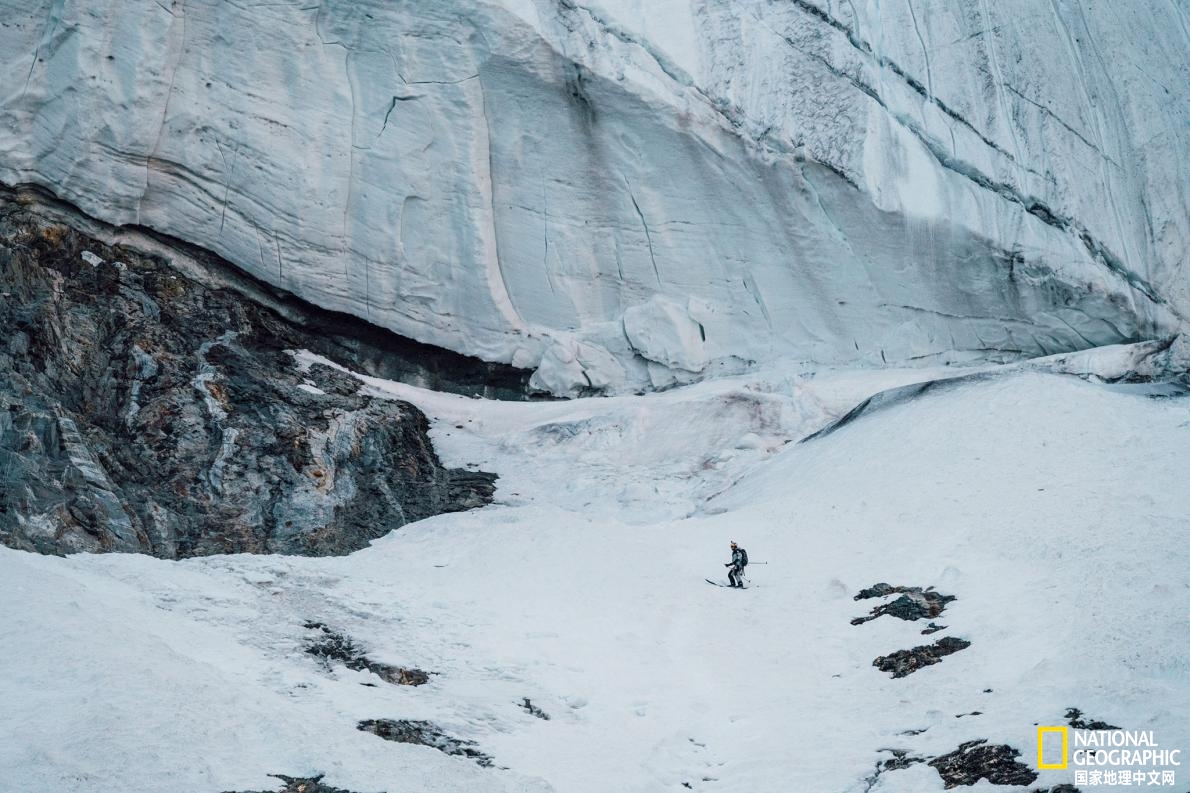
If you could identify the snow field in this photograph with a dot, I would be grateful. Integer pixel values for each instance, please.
(1053, 508)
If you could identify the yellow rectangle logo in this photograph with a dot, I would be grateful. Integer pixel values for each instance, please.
(1041, 731)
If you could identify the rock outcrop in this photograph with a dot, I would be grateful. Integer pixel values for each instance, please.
(629, 195)
(976, 760)
(142, 411)
(424, 733)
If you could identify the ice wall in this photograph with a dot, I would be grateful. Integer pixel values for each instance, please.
(629, 193)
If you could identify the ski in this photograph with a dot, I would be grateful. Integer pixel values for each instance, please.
(726, 586)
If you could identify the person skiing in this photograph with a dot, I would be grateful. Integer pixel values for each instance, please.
(739, 560)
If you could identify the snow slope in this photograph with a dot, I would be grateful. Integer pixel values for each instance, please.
(1053, 508)
(628, 194)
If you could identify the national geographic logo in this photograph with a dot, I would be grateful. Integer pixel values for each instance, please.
(1107, 757)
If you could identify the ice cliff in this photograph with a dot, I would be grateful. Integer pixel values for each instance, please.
(623, 193)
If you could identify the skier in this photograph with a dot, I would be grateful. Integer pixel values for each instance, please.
(739, 560)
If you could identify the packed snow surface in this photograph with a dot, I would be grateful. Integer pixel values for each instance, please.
(1053, 508)
(625, 194)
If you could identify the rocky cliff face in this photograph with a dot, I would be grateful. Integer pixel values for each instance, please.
(142, 411)
(625, 194)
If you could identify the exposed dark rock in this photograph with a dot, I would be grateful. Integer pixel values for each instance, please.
(905, 662)
(900, 759)
(976, 760)
(333, 647)
(293, 784)
(1057, 789)
(1074, 717)
(913, 604)
(895, 396)
(932, 628)
(533, 710)
(877, 591)
(143, 411)
(424, 733)
(362, 346)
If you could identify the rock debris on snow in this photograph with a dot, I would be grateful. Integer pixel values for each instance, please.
(1074, 717)
(906, 662)
(913, 604)
(291, 784)
(533, 710)
(423, 733)
(333, 647)
(976, 760)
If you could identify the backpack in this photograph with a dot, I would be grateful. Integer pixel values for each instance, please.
(743, 558)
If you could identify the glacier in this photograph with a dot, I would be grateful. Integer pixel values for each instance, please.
(628, 195)
(892, 293)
